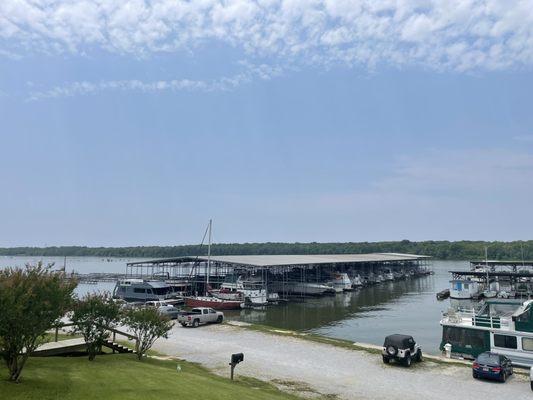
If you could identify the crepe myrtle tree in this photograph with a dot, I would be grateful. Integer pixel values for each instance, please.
(147, 324)
(32, 300)
(92, 317)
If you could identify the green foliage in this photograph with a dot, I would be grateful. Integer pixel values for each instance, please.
(148, 325)
(93, 315)
(458, 250)
(32, 299)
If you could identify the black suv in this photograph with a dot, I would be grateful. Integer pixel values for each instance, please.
(402, 348)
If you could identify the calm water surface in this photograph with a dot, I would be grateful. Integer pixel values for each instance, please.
(367, 315)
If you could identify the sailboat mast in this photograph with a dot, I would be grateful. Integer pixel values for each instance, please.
(487, 266)
(209, 255)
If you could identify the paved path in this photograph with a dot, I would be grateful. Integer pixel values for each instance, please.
(302, 364)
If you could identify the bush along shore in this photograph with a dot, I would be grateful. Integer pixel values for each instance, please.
(444, 250)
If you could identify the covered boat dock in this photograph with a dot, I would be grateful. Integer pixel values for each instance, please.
(194, 270)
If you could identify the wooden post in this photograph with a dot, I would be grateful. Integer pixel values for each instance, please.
(57, 334)
(232, 368)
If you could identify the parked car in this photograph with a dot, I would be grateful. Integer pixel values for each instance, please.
(169, 311)
(401, 348)
(200, 315)
(492, 366)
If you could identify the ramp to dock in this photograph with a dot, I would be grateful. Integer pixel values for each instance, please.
(60, 348)
(78, 345)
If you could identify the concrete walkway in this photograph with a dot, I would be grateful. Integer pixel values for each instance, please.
(312, 369)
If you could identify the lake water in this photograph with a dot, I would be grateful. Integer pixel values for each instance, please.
(366, 315)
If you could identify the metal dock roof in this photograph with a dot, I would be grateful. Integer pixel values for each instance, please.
(508, 263)
(294, 259)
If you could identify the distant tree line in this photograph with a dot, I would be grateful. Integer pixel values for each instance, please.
(445, 250)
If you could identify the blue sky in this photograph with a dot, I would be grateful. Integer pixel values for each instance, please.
(134, 122)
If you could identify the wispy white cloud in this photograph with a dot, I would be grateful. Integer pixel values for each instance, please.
(9, 54)
(451, 35)
(250, 72)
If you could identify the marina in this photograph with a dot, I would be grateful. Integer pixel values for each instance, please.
(362, 314)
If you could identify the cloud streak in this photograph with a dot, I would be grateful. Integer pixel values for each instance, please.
(457, 35)
(251, 72)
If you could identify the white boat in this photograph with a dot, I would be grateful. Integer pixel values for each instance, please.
(237, 288)
(225, 294)
(389, 276)
(341, 282)
(305, 288)
(398, 275)
(356, 281)
(272, 297)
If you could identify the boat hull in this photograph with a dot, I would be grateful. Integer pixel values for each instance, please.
(216, 304)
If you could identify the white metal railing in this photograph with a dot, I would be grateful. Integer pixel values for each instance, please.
(468, 317)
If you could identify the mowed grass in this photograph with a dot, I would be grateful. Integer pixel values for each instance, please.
(121, 376)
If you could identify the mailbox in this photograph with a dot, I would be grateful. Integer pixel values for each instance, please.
(237, 358)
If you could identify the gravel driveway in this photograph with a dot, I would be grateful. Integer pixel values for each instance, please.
(313, 368)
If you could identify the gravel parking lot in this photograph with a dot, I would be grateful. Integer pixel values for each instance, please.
(314, 369)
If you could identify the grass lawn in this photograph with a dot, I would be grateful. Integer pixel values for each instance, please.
(121, 376)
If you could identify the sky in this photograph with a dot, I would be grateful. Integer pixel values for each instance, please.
(131, 122)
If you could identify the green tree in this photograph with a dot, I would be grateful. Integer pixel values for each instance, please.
(148, 325)
(93, 315)
(32, 299)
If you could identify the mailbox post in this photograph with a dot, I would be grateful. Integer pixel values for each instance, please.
(235, 359)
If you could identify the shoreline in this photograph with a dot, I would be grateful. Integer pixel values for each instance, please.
(328, 367)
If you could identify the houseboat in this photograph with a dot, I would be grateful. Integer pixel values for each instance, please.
(503, 326)
(464, 288)
(143, 290)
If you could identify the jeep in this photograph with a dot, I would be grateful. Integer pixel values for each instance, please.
(401, 348)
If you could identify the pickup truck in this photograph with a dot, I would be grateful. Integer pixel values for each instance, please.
(200, 315)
